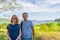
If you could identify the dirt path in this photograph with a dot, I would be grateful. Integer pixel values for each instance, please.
(50, 36)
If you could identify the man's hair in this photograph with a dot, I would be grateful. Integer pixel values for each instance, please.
(25, 13)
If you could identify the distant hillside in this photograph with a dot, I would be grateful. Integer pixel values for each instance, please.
(34, 21)
(41, 22)
(4, 19)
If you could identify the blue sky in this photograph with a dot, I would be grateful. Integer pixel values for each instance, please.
(38, 9)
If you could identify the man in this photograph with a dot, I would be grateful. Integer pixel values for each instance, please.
(27, 28)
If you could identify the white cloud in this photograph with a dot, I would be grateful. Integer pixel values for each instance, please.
(40, 7)
(33, 8)
(53, 1)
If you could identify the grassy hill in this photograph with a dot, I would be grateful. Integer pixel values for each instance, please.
(46, 31)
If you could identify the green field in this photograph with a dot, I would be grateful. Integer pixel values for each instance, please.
(46, 31)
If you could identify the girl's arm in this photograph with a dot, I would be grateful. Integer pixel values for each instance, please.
(19, 35)
(7, 33)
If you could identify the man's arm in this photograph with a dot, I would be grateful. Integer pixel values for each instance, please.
(33, 33)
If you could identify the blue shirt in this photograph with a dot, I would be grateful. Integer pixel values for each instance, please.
(13, 31)
(27, 29)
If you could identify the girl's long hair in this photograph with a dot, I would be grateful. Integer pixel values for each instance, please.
(17, 20)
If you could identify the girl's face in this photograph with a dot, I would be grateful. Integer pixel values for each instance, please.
(14, 19)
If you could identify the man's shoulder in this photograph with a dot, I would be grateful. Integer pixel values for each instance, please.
(29, 21)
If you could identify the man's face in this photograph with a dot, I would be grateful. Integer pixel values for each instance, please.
(25, 16)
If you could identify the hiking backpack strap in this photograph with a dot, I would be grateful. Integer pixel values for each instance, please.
(21, 25)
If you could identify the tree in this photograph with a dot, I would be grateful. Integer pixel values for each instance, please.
(43, 27)
(9, 5)
(58, 20)
(53, 26)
